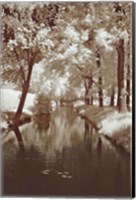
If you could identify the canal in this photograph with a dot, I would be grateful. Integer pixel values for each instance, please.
(64, 156)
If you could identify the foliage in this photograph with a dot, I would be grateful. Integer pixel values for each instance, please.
(25, 41)
(42, 104)
(61, 40)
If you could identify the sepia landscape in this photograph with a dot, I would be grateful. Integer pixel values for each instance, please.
(66, 99)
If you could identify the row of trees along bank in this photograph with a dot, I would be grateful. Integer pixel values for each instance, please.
(90, 43)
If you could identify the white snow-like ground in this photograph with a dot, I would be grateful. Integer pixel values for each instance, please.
(115, 122)
(9, 100)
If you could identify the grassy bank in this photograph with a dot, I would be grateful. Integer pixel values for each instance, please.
(116, 126)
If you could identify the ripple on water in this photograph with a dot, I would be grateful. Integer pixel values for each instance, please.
(64, 175)
(66, 172)
(59, 173)
(46, 171)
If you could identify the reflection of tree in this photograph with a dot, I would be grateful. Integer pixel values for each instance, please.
(91, 138)
(42, 122)
(65, 129)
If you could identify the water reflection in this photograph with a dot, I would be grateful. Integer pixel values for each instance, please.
(64, 156)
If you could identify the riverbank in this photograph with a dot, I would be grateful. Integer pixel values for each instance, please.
(10, 99)
(107, 121)
(67, 155)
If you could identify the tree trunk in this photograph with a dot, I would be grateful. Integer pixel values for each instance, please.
(100, 91)
(92, 100)
(88, 91)
(21, 103)
(91, 94)
(128, 88)
(121, 101)
(15, 121)
(112, 97)
(87, 100)
(23, 95)
(19, 138)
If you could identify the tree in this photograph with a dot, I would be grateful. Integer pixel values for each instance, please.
(128, 83)
(25, 42)
(117, 24)
(123, 27)
(84, 40)
(100, 90)
(72, 51)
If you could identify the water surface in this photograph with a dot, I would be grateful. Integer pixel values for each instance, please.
(64, 157)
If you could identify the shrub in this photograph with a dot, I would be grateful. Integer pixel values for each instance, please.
(42, 104)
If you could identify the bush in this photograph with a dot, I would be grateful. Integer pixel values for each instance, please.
(42, 104)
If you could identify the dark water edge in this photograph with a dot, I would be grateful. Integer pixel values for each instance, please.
(64, 157)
